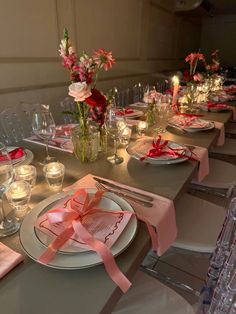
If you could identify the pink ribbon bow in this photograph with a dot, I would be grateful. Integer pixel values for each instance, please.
(14, 154)
(73, 215)
(79, 206)
(123, 112)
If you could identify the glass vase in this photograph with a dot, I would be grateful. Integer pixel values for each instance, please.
(86, 143)
(102, 146)
(151, 114)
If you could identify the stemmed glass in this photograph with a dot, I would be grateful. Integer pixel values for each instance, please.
(44, 128)
(113, 129)
(8, 224)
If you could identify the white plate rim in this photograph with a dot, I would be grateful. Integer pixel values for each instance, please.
(34, 248)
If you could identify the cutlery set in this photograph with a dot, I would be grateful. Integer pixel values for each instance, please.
(134, 196)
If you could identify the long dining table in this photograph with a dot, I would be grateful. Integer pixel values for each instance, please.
(34, 288)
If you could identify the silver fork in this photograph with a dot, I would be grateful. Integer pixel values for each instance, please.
(128, 197)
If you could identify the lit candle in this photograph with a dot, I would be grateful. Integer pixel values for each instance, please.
(142, 127)
(175, 81)
(26, 173)
(18, 191)
(125, 135)
(54, 174)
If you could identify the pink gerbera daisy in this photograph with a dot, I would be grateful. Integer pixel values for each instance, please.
(103, 58)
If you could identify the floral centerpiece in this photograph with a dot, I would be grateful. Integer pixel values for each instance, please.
(91, 104)
(212, 69)
(192, 78)
(151, 98)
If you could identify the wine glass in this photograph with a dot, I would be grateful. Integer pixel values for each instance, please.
(113, 129)
(8, 224)
(44, 128)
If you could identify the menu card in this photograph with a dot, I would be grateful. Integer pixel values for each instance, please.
(104, 225)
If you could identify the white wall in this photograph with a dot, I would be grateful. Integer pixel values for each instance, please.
(220, 32)
(144, 35)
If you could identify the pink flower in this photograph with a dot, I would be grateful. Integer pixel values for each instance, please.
(198, 77)
(151, 96)
(80, 91)
(194, 56)
(103, 58)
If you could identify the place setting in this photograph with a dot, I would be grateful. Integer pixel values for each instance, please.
(190, 124)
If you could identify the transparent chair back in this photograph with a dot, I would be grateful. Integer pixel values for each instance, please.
(137, 93)
(68, 106)
(13, 124)
(217, 264)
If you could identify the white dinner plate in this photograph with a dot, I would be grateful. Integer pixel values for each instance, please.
(142, 146)
(24, 160)
(34, 247)
(135, 114)
(192, 129)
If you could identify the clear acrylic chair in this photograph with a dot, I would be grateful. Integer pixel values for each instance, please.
(199, 224)
(137, 93)
(12, 122)
(230, 129)
(220, 181)
(68, 105)
(148, 295)
(222, 250)
(225, 290)
(228, 149)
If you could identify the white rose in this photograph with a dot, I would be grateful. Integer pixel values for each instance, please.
(80, 91)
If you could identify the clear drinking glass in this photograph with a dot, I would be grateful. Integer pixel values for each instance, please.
(44, 128)
(112, 128)
(8, 224)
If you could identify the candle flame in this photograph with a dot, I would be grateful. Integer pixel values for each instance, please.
(175, 80)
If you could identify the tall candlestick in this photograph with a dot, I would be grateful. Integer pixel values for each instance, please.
(175, 81)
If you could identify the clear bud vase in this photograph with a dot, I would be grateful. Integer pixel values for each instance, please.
(151, 114)
(86, 143)
(102, 145)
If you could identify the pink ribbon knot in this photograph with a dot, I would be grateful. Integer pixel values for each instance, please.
(72, 215)
(160, 148)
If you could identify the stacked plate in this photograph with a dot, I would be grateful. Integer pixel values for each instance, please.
(35, 242)
(141, 147)
(26, 159)
(191, 124)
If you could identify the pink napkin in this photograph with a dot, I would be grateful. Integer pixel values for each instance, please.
(202, 155)
(221, 139)
(161, 215)
(8, 259)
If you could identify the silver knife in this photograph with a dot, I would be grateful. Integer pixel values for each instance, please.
(117, 187)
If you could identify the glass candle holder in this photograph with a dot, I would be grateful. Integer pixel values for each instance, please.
(124, 136)
(27, 173)
(142, 128)
(18, 196)
(54, 174)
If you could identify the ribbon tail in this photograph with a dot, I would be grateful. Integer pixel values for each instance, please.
(52, 249)
(104, 252)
